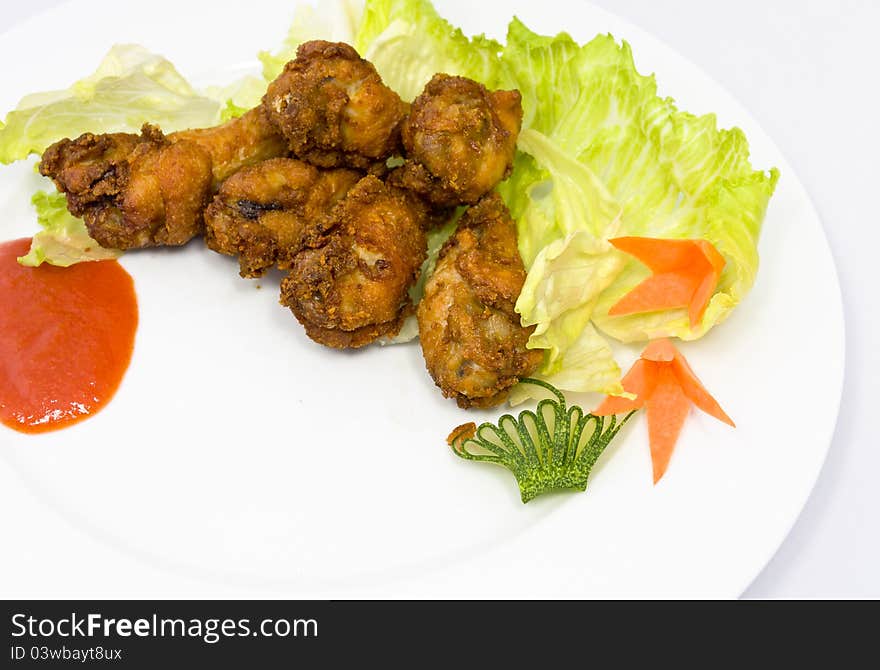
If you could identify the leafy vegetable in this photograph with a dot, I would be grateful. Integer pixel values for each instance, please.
(552, 448)
(64, 239)
(130, 86)
(609, 157)
(662, 381)
(409, 42)
(685, 274)
(562, 235)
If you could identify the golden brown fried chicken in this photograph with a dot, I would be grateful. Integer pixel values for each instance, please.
(151, 189)
(472, 340)
(333, 108)
(460, 140)
(132, 191)
(262, 212)
(350, 284)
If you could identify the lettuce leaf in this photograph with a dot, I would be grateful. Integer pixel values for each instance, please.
(409, 42)
(558, 298)
(64, 239)
(130, 87)
(563, 225)
(605, 147)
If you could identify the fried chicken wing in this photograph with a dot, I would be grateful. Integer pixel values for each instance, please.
(333, 108)
(350, 284)
(460, 140)
(150, 189)
(262, 212)
(472, 340)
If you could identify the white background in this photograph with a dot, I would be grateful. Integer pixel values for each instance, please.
(808, 72)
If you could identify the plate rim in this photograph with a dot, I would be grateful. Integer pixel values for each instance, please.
(789, 173)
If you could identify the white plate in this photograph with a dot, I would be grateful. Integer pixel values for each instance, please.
(239, 452)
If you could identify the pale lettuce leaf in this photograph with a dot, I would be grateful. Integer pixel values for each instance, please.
(409, 42)
(558, 298)
(590, 367)
(64, 239)
(602, 143)
(130, 87)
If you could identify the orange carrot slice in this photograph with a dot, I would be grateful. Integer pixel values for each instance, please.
(666, 291)
(660, 351)
(659, 254)
(685, 274)
(696, 392)
(667, 410)
(634, 382)
(706, 288)
(665, 384)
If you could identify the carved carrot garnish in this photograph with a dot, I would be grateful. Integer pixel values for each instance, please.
(685, 274)
(665, 385)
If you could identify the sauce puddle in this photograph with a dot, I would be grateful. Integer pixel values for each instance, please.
(66, 339)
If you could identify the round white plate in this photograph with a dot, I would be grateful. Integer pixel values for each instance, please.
(239, 452)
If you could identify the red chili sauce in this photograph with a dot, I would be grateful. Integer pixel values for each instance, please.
(66, 338)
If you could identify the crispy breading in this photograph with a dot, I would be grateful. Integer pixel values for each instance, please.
(150, 189)
(472, 340)
(349, 285)
(262, 212)
(460, 140)
(333, 108)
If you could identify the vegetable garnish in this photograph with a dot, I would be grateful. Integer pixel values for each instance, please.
(64, 239)
(664, 383)
(685, 274)
(549, 449)
(605, 154)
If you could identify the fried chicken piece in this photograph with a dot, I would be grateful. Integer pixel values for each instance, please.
(460, 140)
(350, 284)
(472, 340)
(333, 108)
(132, 191)
(262, 212)
(150, 189)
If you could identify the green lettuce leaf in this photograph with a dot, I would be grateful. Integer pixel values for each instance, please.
(64, 239)
(409, 42)
(563, 225)
(130, 87)
(558, 298)
(589, 367)
(604, 147)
